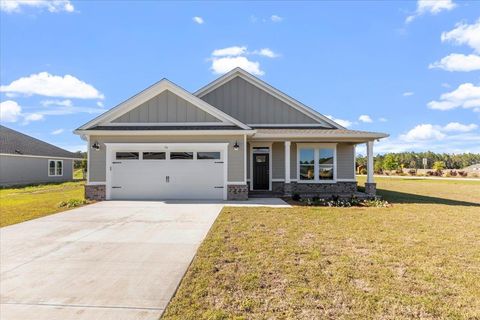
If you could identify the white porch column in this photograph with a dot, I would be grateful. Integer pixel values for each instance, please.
(287, 161)
(370, 162)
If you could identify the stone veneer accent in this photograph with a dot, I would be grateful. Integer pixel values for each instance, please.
(315, 189)
(95, 192)
(371, 188)
(237, 192)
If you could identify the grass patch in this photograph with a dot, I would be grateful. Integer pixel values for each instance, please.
(78, 174)
(419, 258)
(26, 203)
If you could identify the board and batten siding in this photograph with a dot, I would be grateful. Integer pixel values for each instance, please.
(166, 107)
(97, 165)
(252, 105)
(18, 170)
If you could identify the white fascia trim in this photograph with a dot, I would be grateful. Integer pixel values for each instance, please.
(346, 180)
(163, 132)
(34, 156)
(236, 183)
(153, 91)
(268, 88)
(286, 125)
(365, 137)
(167, 124)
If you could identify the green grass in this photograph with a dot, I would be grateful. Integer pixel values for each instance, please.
(78, 174)
(418, 259)
(26, 203)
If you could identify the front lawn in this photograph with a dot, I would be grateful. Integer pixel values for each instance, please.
(419, 259)
(25, 203)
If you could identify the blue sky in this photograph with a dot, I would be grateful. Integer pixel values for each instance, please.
(411, 69)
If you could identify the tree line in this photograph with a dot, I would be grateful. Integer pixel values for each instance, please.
(414, 160)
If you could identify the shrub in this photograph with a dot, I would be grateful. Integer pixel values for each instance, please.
(72, 203)
(335, 201)
(363, 171)
(430, 173)
(463, 173)
(390, 162)
(438, 166)
(412, 172)
(296, 197)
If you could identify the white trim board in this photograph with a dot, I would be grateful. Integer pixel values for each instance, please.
(34, 156)
(163, 132)
(270, 173)
(268, 88)
(150, 93)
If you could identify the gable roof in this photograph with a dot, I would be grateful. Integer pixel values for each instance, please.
(151, 92)
(239, 72)
(17, 143)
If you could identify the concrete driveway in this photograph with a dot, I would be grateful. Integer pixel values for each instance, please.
(109, 260)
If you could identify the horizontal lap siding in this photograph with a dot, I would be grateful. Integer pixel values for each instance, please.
(249, 104)
(235, 159)
(166, 107)
(278, 160)
(29, 170)
(345, 161)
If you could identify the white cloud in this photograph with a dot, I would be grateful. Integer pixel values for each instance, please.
(58, 131)
(383, 119)
(29, 117)
(198, 20)
(365, 118)
(276, 18)
(230, 51)
(466, 34)
(45, 84)
(423, 132)
(10, 111)
(15, 6)
(62, 103)
(100, 104)
(458, 62)
(342, 122)
(266, 52)
(458, 127)
(466, 96)
(408, 94)
(432, 7)
(225, 64)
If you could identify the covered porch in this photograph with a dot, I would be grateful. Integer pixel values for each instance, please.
(308, 162)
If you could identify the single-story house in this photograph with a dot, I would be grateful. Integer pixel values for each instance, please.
(26, 160)
(234, 137)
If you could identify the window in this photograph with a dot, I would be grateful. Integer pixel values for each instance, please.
(126, 155)
(208, 155)
(261, 150)
(181, 155)
(307, 164)
(316, 162)
(325, 164)
(55, 168)
(154, 156)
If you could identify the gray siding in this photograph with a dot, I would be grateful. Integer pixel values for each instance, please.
(16, 170)
(278, 160)
(345, 161)
(252, 105)
(166, 107)
(235, 160)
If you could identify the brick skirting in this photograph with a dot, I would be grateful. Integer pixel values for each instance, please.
(95, 192)
(315, 189)
(237, 192)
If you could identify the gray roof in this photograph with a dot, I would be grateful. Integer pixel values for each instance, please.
(146, 127)
(314, 132)
(14, 142)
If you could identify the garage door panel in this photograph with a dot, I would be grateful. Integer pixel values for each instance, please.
(167, 179)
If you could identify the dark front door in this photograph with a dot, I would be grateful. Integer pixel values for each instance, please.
(261, 171)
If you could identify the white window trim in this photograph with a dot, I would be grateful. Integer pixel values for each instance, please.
(261, 145)
(48, 168)
(316, 147)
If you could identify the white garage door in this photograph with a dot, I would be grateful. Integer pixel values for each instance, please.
(193, 172)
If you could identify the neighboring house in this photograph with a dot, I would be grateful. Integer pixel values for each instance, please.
(474, 168)
(235, 136)
(26, 160)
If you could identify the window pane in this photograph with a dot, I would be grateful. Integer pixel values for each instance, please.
(208, 155)
(127, 155)
(51, 168)
(181, 155)
(325, 156)
(307, 156)
(261, 159)
(154, 156)
(307, 172)
(261, 150)
(325, 173)
(59, 168)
